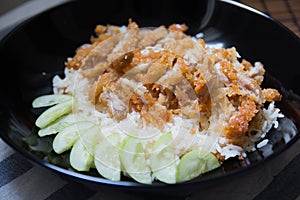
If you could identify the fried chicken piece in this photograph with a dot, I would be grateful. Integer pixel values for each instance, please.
(103, 80)
(116, 95)
(149, 37)
(154, 55)
(270, 95)
(81, 54)
(156, 115)
(123, 63)
(163, 72)
(136, 103)
(154, 72)
(127, 43)
(239, 122)
(178, 27)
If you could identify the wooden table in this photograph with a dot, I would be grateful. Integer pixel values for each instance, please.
(286, 12)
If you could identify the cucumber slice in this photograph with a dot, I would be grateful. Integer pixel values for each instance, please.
(65, 139)
(50, 100)
(60, 124)
(53, 113)
(82, 153)
(133, 160)
(163, 159)
(107, 160)
(194, 163)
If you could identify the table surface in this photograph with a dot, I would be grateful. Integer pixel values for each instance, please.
(20, 179)
(285, 11)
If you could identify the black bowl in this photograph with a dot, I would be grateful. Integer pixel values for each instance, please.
(36, 50)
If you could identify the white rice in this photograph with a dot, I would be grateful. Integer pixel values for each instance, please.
(181, 128)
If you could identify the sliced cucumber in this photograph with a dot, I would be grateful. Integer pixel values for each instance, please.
(53, 113)
(133, 160)
(194, 163)
(163, 159)
(65, 139)
(82, 153)
(50, 100)
(60, 124)
(107, 160)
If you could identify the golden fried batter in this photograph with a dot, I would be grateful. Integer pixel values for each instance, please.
(162, 72)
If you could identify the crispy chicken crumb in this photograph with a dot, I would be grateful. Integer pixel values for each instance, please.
(161, 73)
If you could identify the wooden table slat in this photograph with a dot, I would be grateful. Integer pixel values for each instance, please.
(287, 11)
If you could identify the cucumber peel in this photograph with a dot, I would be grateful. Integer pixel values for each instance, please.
(65, 139)
(53, 113)
(50, 100)
(133, 160)
(82, 152)
(163, 159)
(194, 163)
(60, 124)
(107, 159)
